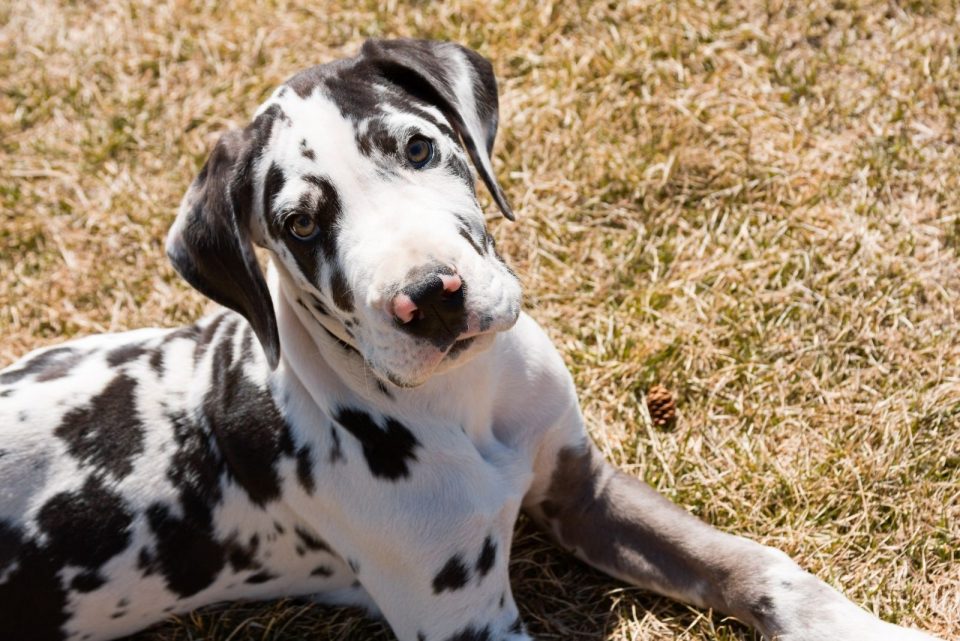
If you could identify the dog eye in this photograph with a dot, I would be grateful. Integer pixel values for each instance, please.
(419, 151)
(303, 226)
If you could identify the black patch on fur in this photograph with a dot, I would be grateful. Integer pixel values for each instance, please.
(203, 337)
(32, 595)
(388, 450)
(382, 388)
(322, 203)
(61, 368)
(377, 137)
(106, 434)
(250, 431)
(147, 562)
(272, 185)
(260, 577)
(246, 343)
(762, 609)
(156, 360)
(305, 150)
(265, 121)
(188, 554)
(321, 570)
(304, 306)
(340, 290)
(187, 333)
(471, 634)
(190, 557)
(517, 626)
(87, 581)
(488, 556)
(304, 82)
(51, 364)
(336, 450)
(464, 231)
(305, 469)
(86, 527)
(243, 557)
(124, 354)
(310, 541)
(347, 347)
(10, 543)
(461, 170)
(452, 576)
(319, 306)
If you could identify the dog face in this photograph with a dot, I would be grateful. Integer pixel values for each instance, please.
(356, 177)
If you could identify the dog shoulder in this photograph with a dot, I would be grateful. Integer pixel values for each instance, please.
(535, 391)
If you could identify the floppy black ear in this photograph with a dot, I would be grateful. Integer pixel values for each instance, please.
(209, 243)
(460, 82)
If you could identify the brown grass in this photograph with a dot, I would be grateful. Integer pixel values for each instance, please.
(756, 204)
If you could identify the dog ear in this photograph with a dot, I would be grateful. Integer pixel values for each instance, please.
(460, 82)
(210, 245)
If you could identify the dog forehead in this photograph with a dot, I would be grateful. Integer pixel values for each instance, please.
(319, 138)
(361, 93)
(328, 121)
(357, 87)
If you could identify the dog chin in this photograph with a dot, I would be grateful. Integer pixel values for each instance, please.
(441, 361)
(408, 378)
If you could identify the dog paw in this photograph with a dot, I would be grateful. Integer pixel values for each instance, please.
(897, 633)
(864, 627)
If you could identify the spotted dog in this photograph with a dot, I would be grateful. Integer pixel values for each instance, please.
(364, 422)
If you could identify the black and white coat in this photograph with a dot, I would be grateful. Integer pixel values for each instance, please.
(363, 424)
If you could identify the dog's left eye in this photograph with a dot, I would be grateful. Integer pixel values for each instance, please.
(303, 226)
(419, 151)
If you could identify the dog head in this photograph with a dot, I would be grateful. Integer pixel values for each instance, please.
(355, 177)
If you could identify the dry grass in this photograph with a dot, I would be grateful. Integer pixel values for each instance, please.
(757, 204)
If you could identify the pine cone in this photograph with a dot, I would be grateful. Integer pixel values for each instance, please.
(661, 406)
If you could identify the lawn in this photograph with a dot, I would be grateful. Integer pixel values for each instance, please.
(754, 204)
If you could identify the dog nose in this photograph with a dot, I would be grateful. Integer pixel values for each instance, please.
(415, 301)
(432, 307)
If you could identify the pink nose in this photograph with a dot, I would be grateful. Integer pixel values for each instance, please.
(405, 308)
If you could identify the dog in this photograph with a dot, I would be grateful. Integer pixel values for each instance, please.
(364, 422)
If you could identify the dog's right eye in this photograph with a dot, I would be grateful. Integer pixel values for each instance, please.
(419, 151)
(303, 226)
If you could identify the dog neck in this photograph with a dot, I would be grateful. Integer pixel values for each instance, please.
(319, 354)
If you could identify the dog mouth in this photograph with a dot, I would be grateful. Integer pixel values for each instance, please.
(440, 356)
(450, 354)
(460, 345)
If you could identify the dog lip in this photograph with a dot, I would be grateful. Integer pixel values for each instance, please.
(460, 346)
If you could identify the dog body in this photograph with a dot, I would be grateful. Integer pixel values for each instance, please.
(368, 421)
(172, 468)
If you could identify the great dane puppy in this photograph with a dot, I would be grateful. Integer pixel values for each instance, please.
(363, 424)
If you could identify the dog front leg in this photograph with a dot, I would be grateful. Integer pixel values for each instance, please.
(622, 526)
